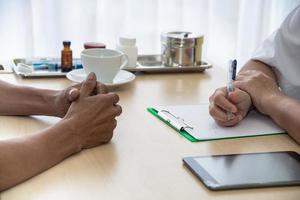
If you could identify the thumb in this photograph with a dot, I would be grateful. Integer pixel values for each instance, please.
(238, 96)
(239, 84)
(88, 85)
(73, 94)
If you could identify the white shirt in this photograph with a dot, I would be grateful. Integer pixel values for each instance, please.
(282, 52)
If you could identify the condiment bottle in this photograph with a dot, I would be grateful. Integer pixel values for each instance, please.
(66, 57)
(127, 45)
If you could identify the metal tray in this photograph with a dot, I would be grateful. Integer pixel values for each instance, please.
(5, 67)
(153, 63)
(145, 63)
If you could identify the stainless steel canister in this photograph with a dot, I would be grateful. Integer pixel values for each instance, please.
(181, 49)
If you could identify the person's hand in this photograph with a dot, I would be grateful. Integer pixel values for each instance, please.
(238, 102)
(92, 117)
(259, 86)
(64, 98)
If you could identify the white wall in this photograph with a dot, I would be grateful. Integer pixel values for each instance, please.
(232, 28)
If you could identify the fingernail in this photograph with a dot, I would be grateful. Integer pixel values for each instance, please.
(91, 76)
(72, 90)
(70, 94)
(230, 116)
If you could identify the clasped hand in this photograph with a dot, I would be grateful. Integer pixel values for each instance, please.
(91, 112)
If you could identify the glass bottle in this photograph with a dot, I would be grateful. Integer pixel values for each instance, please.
(66, 57)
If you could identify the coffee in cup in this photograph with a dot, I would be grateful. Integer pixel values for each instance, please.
(105, 63)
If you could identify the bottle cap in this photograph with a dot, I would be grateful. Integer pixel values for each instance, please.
(127, 41)
(68, 43)
(91, 45)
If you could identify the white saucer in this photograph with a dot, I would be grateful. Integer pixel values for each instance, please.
(123, 77)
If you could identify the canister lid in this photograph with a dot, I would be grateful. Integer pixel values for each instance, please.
(91, 45)
(181, 38)
(127, 41)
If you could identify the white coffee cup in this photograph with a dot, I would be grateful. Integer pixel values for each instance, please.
(105, 63)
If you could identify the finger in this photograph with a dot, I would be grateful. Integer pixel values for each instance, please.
(112, 112)
(217, 113)
(77, 85)
(117, 109)
(240, 84)
(221, 101)
(238, 96)
(231, 122)
(73, 94)
(101, 88)
(88, 85)
(111, 122)
(103, 134)
(114, 123)
(113, 97)
(219, 91)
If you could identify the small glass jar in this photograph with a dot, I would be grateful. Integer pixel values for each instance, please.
(66, 57)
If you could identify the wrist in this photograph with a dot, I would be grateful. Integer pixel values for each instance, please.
(50, 101)
(67, 132)
(270, 102)
(54, 144)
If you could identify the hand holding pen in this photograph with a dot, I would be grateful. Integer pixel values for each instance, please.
(229, 105)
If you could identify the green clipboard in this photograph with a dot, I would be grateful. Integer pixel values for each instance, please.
(191, 138)
(185, 134)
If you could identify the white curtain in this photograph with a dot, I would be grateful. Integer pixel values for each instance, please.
(232, 28)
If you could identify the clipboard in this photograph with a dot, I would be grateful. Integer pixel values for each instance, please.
(195, 124)
(184, 133)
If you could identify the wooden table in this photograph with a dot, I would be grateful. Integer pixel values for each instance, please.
(143, 160)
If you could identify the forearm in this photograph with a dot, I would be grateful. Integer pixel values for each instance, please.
(23, 158)
(281, 108)
(285, 112)
(18, 100)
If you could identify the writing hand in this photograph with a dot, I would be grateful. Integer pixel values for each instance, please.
(238, 102)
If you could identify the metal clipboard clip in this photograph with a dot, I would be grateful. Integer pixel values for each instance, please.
(174, 120)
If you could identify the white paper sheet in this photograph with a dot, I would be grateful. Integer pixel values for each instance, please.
(205, 128)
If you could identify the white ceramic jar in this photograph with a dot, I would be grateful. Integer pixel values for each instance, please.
(127, 45)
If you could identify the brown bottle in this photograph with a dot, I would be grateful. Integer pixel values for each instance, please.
(66, 57)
